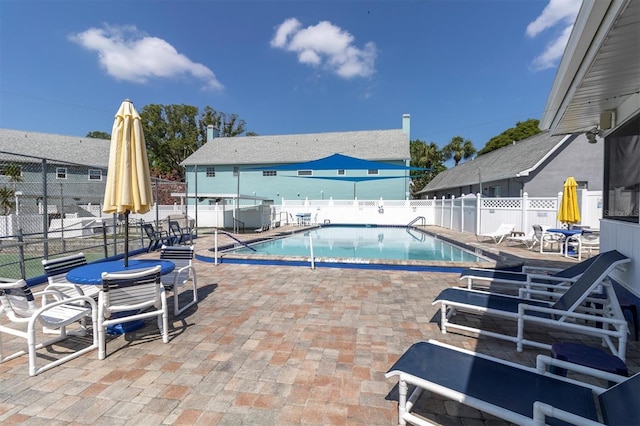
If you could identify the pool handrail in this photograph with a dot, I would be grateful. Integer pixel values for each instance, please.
(424, 220)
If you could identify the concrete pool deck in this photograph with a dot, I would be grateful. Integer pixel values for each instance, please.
(269, 345)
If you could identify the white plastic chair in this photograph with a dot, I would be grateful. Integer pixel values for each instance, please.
(56, 271)
(183, 274)
(586, 242)
(131, 296)
(18, 304)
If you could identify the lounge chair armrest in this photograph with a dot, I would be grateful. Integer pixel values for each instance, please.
(539, 269)
(543, 362)
(523, 308)
(541, 411)
(191, 274)
(531, 277)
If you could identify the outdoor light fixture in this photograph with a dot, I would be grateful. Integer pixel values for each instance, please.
(593, 134)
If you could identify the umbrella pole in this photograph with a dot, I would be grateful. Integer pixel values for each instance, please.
(126, 239)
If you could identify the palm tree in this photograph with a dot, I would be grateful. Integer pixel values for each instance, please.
(458, 149)
(6, 200)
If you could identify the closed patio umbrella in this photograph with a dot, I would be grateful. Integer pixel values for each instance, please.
(569, 211)
(128, 186)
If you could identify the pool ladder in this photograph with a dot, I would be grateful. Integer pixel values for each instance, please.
(422, 218)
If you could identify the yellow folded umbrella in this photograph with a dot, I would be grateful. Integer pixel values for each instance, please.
(569, 211)
(128, 187)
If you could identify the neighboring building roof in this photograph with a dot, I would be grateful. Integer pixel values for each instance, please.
(518, 159)
(71, 149)
(376, 145)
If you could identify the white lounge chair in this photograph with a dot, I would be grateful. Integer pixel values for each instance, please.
(573, 311)
(519, 394)
(499, 234)
(527, 239)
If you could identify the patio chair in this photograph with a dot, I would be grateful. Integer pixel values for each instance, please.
(585, 242)
(156, 238)
(56, 272)
(526, 279)
(183, 274)
(179, 234)
(131, 296)
(499, 234)
(516, 393)
(545, 239)
(18, 304)
(572, 310)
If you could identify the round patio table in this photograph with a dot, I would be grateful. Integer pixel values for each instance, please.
(92, 275)
(567, 233)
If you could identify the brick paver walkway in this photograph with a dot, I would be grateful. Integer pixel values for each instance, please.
(266, 345)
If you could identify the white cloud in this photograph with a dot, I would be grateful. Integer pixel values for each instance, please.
(127, 54)
(558, 15)
(328, 46)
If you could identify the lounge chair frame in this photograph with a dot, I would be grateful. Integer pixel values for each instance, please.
(182, 276)
(537, 392)
(499, 234)
(574, 310)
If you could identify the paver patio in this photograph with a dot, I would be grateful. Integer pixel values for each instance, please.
(266, 345)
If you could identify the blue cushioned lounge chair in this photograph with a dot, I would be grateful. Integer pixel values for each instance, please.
(519, 394)
(575, 310)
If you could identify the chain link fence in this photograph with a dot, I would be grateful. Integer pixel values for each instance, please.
(52, 208)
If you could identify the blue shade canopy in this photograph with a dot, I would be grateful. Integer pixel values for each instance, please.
(338, 162)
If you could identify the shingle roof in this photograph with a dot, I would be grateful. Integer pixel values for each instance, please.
(73, 149)
(506, 162)
(376, 145)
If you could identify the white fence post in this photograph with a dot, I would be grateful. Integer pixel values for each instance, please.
(453, 197)
(478, 212)
(462, 213)
(558, 209)
(525, 211)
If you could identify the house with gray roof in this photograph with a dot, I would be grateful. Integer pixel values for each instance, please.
(537, 165)
(74, 168)
(223, 166)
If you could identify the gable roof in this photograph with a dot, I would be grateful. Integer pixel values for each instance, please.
(515, 160)
(71, 149)
(376, 145)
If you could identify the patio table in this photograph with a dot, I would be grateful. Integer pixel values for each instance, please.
(567, 233)
(91, 274)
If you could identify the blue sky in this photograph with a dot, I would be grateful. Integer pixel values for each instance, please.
(468, 68)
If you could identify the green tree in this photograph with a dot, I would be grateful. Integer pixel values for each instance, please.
(98, 135)
(173, 132)
(459, 149)
(426, 156)
(522, 130)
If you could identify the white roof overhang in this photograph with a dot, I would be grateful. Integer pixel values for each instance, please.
(600, 70)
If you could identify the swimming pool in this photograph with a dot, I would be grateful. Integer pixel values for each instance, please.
(341, 246)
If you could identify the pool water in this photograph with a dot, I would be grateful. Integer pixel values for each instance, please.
(363, 242)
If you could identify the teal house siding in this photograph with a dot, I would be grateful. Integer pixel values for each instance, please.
(210, 170)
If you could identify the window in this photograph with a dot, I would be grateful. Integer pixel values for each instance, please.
(269, 173)
(236, 171)
(61, 172)
(621, 173)
(372, 171)
(211, 172)
(495, 191)
(305, 173)
(341, 172)
(95, 174)
(582, 184)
